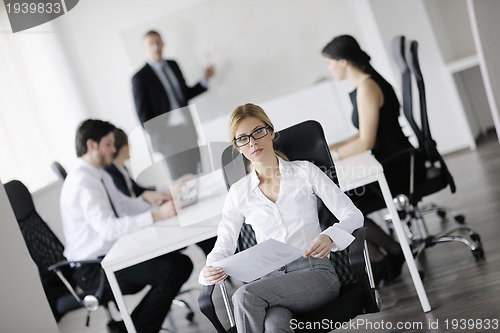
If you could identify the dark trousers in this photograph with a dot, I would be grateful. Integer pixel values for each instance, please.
(165, 274)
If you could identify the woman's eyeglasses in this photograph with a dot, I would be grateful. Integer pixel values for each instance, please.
(259, 133)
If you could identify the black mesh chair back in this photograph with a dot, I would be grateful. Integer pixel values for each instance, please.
(438, 167)
(43, 245)
(46, 250)
(398, 51)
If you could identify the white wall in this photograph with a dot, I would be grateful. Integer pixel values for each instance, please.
(485, 26)
(46, 202)
(91, 35)
(260, 49)
(24, 305)
(252, 65)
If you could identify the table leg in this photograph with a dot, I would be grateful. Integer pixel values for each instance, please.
(115, 288)
(403, 241)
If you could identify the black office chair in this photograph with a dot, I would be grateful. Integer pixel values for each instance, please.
(59, 170)
(437, 175)
(46, 250)
(399, 51)
(306, 141)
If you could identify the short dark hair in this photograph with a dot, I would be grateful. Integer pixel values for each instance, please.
(152, 33)
(121, 139)
(91, 129)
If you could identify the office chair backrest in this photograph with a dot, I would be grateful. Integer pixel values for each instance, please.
(46, 250)
(398, 51)
(59, 170)
(429, 145)
(411, 54)
(43, 245)
(306, 141)
(303, 141)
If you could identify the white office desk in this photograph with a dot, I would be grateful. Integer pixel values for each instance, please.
(363, 169)
(161, 238)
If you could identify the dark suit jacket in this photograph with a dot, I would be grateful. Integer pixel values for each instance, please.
(121, 184)
(150, 97)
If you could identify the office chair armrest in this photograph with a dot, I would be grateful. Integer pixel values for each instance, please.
(74, 263)
(356, 256)
(207, 307)
(359, 264)
(56, 268)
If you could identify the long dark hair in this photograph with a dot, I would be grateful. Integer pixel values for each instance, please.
(347, 47)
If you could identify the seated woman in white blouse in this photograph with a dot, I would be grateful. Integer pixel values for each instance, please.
(278, 199)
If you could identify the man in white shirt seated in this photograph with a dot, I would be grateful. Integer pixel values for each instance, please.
(95, 214)
(125, 184)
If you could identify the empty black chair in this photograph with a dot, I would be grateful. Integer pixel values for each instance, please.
(437, 175)
(46, 250)
(306, 141)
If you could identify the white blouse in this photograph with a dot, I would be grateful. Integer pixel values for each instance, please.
(293, 218)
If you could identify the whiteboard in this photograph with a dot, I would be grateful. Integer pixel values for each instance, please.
(260, 49)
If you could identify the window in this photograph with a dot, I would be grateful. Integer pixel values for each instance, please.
(39, 105)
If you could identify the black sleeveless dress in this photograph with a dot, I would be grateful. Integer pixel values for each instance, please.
(390, 140)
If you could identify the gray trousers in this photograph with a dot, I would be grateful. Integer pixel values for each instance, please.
(268, 304)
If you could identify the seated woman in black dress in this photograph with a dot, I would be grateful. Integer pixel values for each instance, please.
(375, 114)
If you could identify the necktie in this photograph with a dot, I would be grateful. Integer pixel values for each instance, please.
(109, 198)
(175, 91)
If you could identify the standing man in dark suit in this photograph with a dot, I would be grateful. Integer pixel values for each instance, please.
(161, 97)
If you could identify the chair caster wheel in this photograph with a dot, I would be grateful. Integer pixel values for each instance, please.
(476, 238)
(478, 253)
(190, 316)
(441, 213)
(460, 218)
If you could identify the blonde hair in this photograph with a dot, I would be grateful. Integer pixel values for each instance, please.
(245, 111)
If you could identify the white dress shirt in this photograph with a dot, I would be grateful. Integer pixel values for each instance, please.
(89, 222)
(293, 218)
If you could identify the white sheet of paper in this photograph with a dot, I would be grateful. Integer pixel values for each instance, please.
(259, 260)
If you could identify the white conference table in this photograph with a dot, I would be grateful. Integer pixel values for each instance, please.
(161, 238)
(363, 169)
(168, 236)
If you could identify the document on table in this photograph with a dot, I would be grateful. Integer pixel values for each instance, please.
(259, 260)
